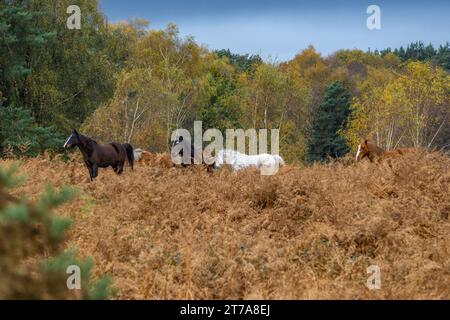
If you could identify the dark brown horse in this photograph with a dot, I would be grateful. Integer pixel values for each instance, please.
(370, 150)
(191, 158)
(101, 155)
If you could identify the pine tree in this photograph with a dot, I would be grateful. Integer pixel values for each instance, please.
(242, 62)
(30, 230)
(443, 56)
(331, 117)
(61, 75)
(417, 51)
(19, 35)
(20, 134)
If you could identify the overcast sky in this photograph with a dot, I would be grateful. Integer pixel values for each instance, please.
(278, 29)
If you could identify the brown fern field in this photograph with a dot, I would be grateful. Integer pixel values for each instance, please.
(305, 233)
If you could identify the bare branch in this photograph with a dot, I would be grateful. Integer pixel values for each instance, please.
(436, 133)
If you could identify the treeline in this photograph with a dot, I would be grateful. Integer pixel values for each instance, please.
(417, 51)
(51, 76)
(127, 82)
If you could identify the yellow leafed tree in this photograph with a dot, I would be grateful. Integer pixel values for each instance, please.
(410, 108)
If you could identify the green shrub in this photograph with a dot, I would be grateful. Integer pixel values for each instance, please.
(21, 136)
(30, 231)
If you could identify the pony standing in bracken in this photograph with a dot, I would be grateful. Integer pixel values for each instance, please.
(101, 155)
(191, 157)
(239, 161)
(370, 150)
(190, 147)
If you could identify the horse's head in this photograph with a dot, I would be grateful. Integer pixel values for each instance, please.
(179, 140)
(73, 140)
(175, 143)
(363, 150)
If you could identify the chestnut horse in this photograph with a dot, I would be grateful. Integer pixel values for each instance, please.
(101, 155)
(370, 150)
(143, 156)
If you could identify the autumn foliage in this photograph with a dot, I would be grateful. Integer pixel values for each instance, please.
(307, 232)
(166, 232)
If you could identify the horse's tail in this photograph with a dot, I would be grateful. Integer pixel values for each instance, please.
(130, 154)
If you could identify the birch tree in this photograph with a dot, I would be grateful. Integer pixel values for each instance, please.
(406, 108)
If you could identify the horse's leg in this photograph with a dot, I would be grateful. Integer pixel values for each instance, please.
(89, 167)
(120, 167)
(95, 170)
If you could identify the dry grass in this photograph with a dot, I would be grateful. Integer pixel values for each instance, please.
(306, 233)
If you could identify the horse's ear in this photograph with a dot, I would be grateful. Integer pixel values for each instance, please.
(75, 132)
(365, 142)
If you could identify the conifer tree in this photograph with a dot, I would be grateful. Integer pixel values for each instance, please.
(20, 134)
(330, 118)
(28, 231)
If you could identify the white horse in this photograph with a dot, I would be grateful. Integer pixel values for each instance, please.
(239, 161)
(137, 154)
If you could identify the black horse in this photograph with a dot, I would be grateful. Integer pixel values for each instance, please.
(191, 148)
(101, 155)
(180, 140)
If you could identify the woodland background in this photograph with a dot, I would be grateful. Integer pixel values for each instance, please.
(127, 82)
(215, 240)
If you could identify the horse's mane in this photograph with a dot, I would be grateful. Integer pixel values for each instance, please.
(231, 152)
(86, 138)
(89, 143)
